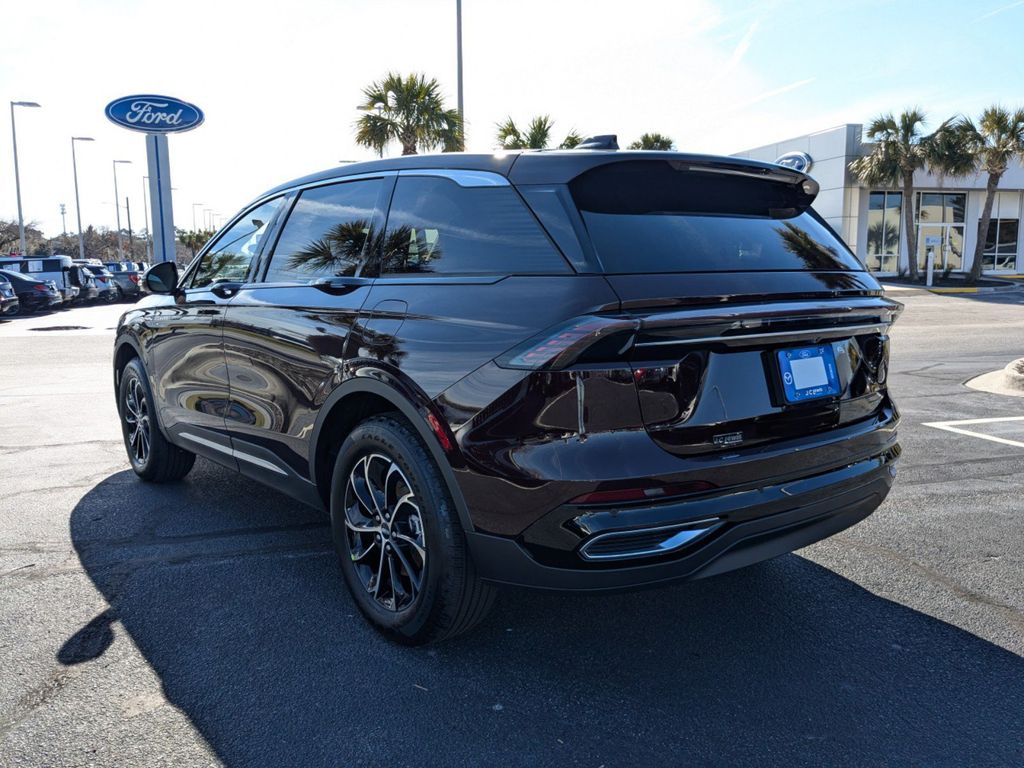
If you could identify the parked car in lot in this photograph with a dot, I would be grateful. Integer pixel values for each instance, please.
(125, 275)
(33, 295)
(82, 279)
(9, 304)
(575, 370)
(104, 281)
(54, 269)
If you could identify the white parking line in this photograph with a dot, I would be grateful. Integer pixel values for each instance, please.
(951, 426)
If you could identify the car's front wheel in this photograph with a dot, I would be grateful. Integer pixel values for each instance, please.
(397, 533)
(152, 457)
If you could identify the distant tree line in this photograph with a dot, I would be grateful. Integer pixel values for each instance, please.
(100, 243)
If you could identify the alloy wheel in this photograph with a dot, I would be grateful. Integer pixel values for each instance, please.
(136, 418)
(385, 531)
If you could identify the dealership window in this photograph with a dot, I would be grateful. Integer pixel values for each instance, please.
(884, 222)
(1000, 252)
(940, 229)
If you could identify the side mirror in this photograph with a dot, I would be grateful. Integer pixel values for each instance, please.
(162, 277)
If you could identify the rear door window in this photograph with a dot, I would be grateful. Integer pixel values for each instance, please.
(436, 226)
(660, 216)
(326, 233)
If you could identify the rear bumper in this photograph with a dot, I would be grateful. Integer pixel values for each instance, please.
(814, 508)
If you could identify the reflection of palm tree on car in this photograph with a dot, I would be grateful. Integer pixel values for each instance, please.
(815, 256)
(338, 252)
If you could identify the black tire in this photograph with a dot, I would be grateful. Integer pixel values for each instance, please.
(161, 461)
(450, 599)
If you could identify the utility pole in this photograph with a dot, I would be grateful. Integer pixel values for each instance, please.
(128, 209)
(63, 221)
(117, 210)
(78, 207)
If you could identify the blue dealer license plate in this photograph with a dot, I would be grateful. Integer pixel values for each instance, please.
(808, 373)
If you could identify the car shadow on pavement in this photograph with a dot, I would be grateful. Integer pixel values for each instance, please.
(234, 597)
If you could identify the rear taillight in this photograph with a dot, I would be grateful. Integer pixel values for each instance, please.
(134, 278)
(40, 287)
(102, 279)
(584, 339)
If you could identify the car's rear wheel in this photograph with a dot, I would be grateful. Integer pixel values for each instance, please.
(402, 549)
(151, 456)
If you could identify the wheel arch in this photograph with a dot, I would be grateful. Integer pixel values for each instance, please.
(363, 396)
(125, 349)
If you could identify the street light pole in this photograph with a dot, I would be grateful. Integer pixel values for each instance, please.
(117, 210)
(458, 50)
(17, 179)
(194, 227)
(78, 208)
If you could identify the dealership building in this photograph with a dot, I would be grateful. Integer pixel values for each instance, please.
(946, 209)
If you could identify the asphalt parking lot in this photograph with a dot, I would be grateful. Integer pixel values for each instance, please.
(206, 622)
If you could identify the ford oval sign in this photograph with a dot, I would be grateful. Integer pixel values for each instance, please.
(154, 114)
(798, 161)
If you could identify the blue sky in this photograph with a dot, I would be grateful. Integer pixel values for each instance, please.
(279, 82)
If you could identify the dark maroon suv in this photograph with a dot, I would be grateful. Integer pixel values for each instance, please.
(575, 370)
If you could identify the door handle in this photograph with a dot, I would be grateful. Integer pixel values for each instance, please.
(338, 286)
(225, 290)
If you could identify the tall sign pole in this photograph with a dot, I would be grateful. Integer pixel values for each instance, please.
(157, 116)
(161, 210)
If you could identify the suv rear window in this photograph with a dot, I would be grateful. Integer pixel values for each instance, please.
(654, 216)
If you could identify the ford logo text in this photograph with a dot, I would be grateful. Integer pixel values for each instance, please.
(154, 114)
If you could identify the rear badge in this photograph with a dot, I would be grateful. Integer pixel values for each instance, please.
(727, 439)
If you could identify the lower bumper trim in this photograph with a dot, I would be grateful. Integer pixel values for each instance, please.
(502, 560)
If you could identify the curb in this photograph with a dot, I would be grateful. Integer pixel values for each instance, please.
(1014, 374)
(909, 290)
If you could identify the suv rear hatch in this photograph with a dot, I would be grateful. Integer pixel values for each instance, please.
(744, 317)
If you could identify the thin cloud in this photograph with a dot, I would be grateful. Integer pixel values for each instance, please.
(741, 49)
(992, 13)
(779, 91)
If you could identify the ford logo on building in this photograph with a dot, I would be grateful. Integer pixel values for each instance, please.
(154, 114)
(798, 161)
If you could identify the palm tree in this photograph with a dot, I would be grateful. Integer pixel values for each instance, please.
(194, 239)
(993, 143)
(537, 135)
(901, 148)
(654, 141)
(408, 110)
